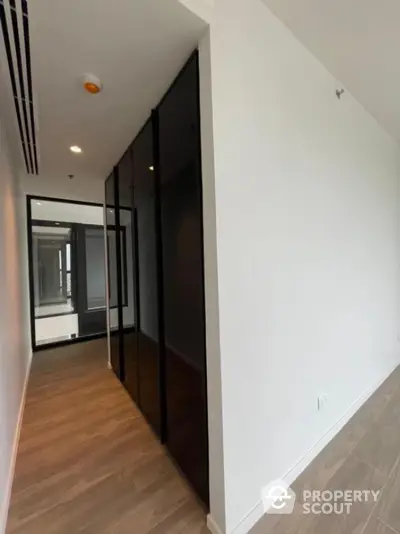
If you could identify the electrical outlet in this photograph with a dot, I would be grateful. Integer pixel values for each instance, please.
(322, 401)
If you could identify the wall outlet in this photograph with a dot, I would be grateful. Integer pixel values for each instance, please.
(322, 401)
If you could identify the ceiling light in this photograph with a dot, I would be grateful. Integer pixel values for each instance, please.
(151, 168)
(38, 203)
(75, 149)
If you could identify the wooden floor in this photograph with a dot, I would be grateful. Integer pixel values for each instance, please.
(365, 455)
(87, 461)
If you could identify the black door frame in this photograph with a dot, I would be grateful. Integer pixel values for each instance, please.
(29, 198)
(114, 176)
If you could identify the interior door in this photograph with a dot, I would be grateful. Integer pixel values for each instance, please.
(129, 338)
(147, 321)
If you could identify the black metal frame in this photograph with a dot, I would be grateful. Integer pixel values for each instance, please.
(72, 341)
(119, 277)
(29, 199)
(160, 280)
(115, 177)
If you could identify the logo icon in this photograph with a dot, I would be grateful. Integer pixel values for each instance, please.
(278, 498)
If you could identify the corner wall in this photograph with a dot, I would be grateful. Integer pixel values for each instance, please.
(15, 349)
(308, 254)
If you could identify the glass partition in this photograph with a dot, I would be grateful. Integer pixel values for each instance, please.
(183, 283)
(67, 270)
(51, 247)
(95, 269)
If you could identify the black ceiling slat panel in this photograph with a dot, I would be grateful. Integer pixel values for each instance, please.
(25, 21)
(8, 47)
(35, 155)
(13, 81)
(21, 82)
(21, 134)
(26, 117)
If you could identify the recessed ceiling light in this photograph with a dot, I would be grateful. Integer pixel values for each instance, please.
(151, 168)
(76, 149)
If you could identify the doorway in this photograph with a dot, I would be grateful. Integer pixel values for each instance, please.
(67, 271)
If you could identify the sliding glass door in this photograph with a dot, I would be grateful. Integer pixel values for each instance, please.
(147, 280)
(155, 196)
(183, 279)
(129, 338)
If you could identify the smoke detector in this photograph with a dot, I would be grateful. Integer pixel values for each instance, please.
(92, 84)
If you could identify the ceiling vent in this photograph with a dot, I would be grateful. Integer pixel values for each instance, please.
(15, 30)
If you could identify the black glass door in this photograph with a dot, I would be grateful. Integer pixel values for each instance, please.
(146, 262)
(128, 258)
(182, 263)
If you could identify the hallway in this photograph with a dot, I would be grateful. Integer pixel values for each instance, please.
(87, 461)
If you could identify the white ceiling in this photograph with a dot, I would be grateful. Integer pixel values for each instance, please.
(136, 48)
(358, 42)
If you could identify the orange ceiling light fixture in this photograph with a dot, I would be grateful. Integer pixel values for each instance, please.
(92, 84)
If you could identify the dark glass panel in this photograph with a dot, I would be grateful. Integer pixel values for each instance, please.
(127, 233)
(182, 261)
(148, 323)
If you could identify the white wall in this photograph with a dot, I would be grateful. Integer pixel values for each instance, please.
(83, 188)
(15, 349)
(46, 210)
(308, 253)
(214, 384)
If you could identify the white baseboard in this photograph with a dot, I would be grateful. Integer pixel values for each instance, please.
(6, 503)
(212, 525)
(251, 519)
(254, 516)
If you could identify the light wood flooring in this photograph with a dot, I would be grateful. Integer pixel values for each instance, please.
(87, 461)
(365, 455)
